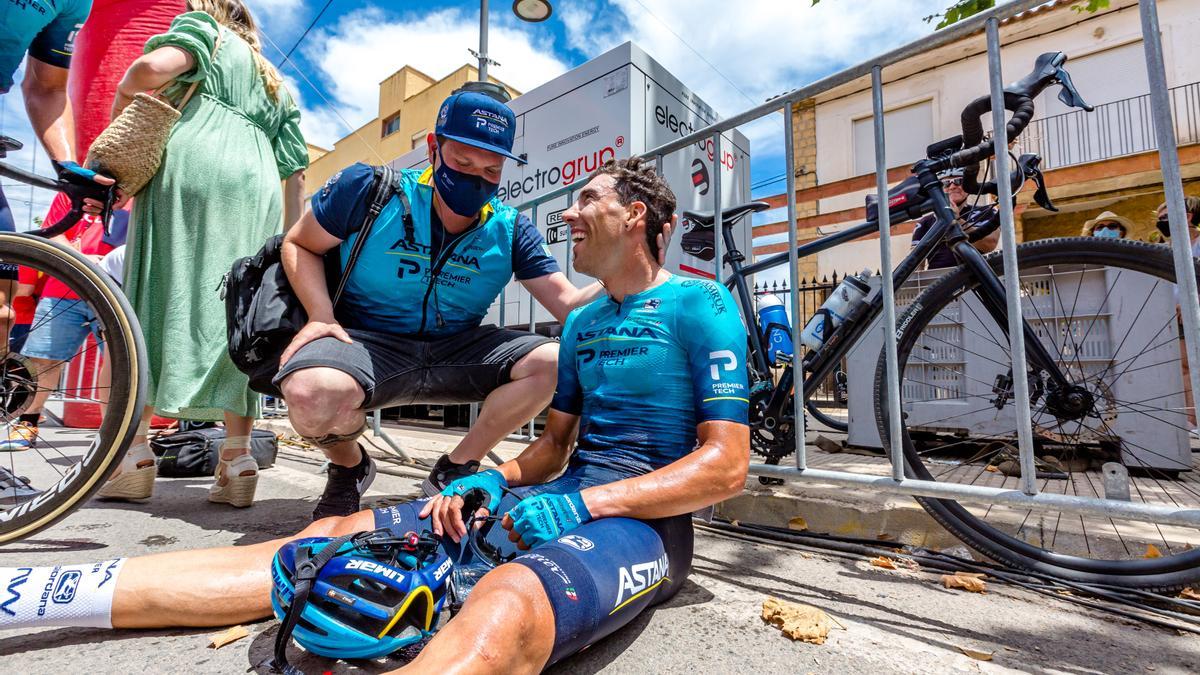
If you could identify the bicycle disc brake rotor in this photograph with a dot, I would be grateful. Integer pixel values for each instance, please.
(17, 385)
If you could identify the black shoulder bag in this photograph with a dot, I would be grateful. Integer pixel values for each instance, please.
(263, 314)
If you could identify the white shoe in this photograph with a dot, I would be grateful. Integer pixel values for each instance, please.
(131, 481)
(238, 489)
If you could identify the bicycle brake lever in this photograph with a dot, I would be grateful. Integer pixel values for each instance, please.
(1040, 195)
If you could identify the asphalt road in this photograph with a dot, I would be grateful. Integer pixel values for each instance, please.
(893, 622)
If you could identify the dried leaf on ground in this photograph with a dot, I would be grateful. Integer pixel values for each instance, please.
(235, 633)
(992, 467)
(884, 562)
(798, 523)
(797, 621)
(1190, 593)
(1152, 551)
(976, 654)
(965, 580)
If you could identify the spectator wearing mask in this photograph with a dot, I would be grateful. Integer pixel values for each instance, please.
(215, 198)
(968, 216)
(1107, 225)
(1191, 207)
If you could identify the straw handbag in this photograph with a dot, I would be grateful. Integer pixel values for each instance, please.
(131, 148)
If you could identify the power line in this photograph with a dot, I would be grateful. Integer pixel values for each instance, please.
(306, 30)
(698, 54)
(329, 103)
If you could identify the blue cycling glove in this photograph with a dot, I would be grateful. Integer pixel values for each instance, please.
(490, 481)
(544, 517)
(63, 169)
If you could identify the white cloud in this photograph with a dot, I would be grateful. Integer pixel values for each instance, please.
(354, 55)
(766, 47)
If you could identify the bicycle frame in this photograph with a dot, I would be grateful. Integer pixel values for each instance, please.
(820, 363)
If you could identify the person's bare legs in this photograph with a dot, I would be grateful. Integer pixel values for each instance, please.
(509, 406)
(507, 625)
(210, 587)
(326, 401)
(8, 288)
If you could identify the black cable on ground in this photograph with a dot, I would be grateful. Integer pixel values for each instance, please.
(936, 560)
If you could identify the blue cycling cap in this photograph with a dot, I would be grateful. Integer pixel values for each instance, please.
(476, 119)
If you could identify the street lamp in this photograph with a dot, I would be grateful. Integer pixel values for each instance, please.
(533, 11)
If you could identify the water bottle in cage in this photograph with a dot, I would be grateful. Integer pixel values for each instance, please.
(775, 328)
(848, 295)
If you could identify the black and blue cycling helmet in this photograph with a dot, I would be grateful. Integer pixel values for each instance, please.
(370, 596)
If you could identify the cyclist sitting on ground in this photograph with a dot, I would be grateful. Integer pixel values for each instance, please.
(407, 329)
(655, 377)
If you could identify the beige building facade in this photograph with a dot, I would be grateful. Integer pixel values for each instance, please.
(1105, 160)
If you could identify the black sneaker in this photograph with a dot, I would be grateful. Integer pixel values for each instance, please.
(446, 472)
(344, 487)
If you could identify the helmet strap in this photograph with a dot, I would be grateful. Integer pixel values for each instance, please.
(307, 569)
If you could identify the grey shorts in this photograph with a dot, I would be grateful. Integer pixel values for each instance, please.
(397, 370)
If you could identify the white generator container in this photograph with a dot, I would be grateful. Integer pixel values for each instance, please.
(619, 104)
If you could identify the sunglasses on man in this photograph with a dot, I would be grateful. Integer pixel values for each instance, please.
(947, 182)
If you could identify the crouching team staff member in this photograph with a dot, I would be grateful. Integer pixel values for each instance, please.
(654, 375)
(408, 328)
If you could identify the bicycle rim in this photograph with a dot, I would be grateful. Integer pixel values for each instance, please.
(44, 477)
(1105, 311)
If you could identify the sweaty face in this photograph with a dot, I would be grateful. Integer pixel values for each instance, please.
(596, 219)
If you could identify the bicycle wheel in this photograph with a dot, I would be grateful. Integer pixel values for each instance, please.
(1106, 311)
(835, 415)
(51, 473)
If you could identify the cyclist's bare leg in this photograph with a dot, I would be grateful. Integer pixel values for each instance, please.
(210, 587)
(506, 626)
(325, 402)
(509, 406)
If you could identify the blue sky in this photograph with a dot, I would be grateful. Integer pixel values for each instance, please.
(733, 54)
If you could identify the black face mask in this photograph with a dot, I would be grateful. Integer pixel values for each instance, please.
(1164, 226)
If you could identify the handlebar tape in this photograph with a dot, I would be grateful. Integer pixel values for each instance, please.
(978, 149)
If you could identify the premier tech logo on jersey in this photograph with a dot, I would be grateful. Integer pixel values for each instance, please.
(637, 580)
(410, 249)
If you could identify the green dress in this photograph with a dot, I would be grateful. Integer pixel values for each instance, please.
(217, 197)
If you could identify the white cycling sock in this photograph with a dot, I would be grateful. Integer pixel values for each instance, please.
(66, 595)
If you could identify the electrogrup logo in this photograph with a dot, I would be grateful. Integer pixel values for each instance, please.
(682, 127)
(568, 172)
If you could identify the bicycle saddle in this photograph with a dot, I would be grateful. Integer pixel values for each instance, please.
(728, 217)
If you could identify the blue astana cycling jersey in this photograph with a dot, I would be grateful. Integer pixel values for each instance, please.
(653, 366)
(44, 28)
(392, 288)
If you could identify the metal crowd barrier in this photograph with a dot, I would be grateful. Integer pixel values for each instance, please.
(1028, 497)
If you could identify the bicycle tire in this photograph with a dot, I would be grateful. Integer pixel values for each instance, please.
(1165, 573)
(126, 352)
(834, 423)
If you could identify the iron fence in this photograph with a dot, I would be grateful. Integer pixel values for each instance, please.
(1116, 129)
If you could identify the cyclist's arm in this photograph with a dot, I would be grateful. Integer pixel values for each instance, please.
(713, 472)
(151, 71)
(49, 108)
(558, 295)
